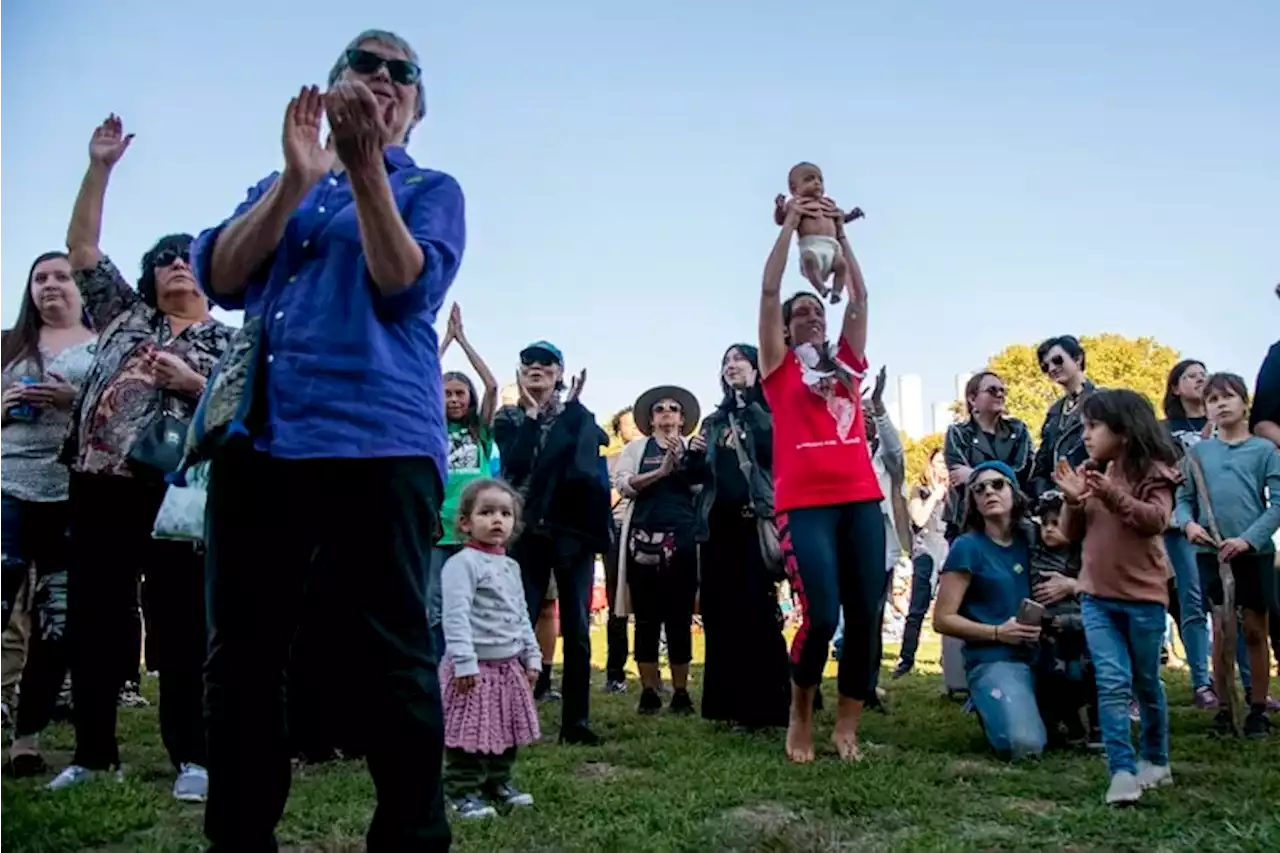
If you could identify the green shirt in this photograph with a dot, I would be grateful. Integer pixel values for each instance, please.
(468, 460)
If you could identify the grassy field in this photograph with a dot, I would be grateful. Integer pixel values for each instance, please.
(670, 784)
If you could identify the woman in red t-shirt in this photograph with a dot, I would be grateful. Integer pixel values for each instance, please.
(827, 494)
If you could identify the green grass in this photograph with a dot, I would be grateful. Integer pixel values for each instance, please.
(663, 784)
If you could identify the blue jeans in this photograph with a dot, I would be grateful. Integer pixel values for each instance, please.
(1194, 627)
(1124, 640)
(1003, 693)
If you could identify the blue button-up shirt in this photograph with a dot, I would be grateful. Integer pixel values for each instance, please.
(351, 373)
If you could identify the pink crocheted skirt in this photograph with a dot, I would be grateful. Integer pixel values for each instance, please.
(494, 715)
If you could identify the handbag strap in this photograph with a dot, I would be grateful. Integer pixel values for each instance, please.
(744, 461)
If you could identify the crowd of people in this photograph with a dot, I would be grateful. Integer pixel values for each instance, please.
(351, 482)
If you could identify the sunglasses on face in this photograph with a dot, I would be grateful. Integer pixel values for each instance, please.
(169, 257)
(1055, 361)
(994, 390)
(402, 71)
(669, 408)
(536, 361)
(996, 487)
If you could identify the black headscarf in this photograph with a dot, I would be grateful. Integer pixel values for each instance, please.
(734, 399)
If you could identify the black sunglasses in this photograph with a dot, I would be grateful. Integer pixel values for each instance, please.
(994, 390)
(537, 361)
(996, 486)
(168, 257)
(1056, 361)
(673, 408)
(402, 71)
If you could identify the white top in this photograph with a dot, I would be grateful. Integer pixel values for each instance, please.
(484, 612)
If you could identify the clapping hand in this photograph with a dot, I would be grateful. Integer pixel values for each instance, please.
(359, 130)
(575, 386)
(453, 328)
(1072, 481)
(304, 155)
(877, 391)
(109, 142)
(527, 401)
(698, 444)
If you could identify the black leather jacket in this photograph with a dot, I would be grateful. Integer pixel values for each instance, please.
(1061, 437)
(967, 445)
(757, 424)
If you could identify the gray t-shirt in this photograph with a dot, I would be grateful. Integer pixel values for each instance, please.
(29, 466)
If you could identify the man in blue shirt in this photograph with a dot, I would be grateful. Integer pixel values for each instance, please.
(346, 257)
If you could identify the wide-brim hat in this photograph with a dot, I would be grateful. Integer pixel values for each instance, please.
(643, 409)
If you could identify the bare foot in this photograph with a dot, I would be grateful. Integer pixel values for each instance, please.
(800, 739)
(845, 737)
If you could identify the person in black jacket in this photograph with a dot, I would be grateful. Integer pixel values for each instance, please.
(550, 451)
(988, 435)
(1062, 359)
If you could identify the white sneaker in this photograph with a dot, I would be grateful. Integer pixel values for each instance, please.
(1124, 789)
(74, 774)
(192, 785)
(1154, 775)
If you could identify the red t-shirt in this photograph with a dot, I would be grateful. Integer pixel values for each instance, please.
(820, 454)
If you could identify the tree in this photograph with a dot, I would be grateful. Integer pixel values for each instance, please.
(1111, 361)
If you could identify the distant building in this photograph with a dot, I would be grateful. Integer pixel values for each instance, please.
(911, 405)
(509, 395)
(895, 413)
(943, 417)
(962, 379)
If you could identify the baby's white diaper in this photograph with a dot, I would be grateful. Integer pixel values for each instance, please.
(825, 249)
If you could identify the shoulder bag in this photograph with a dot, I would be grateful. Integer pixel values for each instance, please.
(766, 527)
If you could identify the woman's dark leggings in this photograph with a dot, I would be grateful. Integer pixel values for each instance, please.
(663, 595)
(835, 558)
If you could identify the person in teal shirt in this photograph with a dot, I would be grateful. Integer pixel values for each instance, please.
(471, 455)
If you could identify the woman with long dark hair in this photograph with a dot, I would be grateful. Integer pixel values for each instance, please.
(158, 346)
(827, 496)
(45, 358)
(745, 680)
(469, 419)
(1186, 422)
(928, 509)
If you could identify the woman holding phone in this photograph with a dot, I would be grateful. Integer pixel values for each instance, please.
(984, 598)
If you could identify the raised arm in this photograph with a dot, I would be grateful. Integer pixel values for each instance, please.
(773, 343)
(240, 248)
(489, 401)
(854, 328)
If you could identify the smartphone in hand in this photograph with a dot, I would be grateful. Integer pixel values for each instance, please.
(1030, 612)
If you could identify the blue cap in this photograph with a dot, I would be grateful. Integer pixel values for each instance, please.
(545, 347)
(1000, 468)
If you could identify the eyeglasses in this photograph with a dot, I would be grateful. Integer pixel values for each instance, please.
(1055, 361)
(402, 71)
(995, 390)
(995, 486)
(169, 257)
(671, 408)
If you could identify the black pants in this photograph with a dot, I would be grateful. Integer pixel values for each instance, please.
(282, 536)
(111, 547)
(616, 630)
(835, 558)
(747, 677)
(921, 597)
(37, 533)
(662, 596)
(574, 566)
(476, 773)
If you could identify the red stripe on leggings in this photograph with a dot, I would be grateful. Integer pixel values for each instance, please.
(797, 585)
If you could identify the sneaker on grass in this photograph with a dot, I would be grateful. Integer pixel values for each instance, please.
(192, 784)
(1154, 775)
(1124, 790)
(74, 774)
(472, 807)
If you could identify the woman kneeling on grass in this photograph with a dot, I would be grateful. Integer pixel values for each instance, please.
(1120, 502)
(983, 583)
(491, 656)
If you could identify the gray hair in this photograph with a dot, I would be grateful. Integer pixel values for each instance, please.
(390, 39)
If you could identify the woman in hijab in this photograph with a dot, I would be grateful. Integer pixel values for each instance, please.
(746, 681)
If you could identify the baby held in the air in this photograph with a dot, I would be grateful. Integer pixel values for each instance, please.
(818, 235)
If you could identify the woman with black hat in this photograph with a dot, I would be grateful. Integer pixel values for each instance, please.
(746, 680)
(659, 564)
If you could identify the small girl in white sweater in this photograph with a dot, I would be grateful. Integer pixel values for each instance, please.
(491, 657)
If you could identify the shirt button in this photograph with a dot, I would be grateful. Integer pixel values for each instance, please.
(279, 315)
(306, 243)
(320, 208)
(292, 279)
(333, 182)
(270, 358)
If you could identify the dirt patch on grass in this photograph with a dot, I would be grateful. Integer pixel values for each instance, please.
(1026, 806)
(762, 818)
(603, 771)
(969, 768)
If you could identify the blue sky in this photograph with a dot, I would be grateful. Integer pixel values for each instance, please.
(1027, 169)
